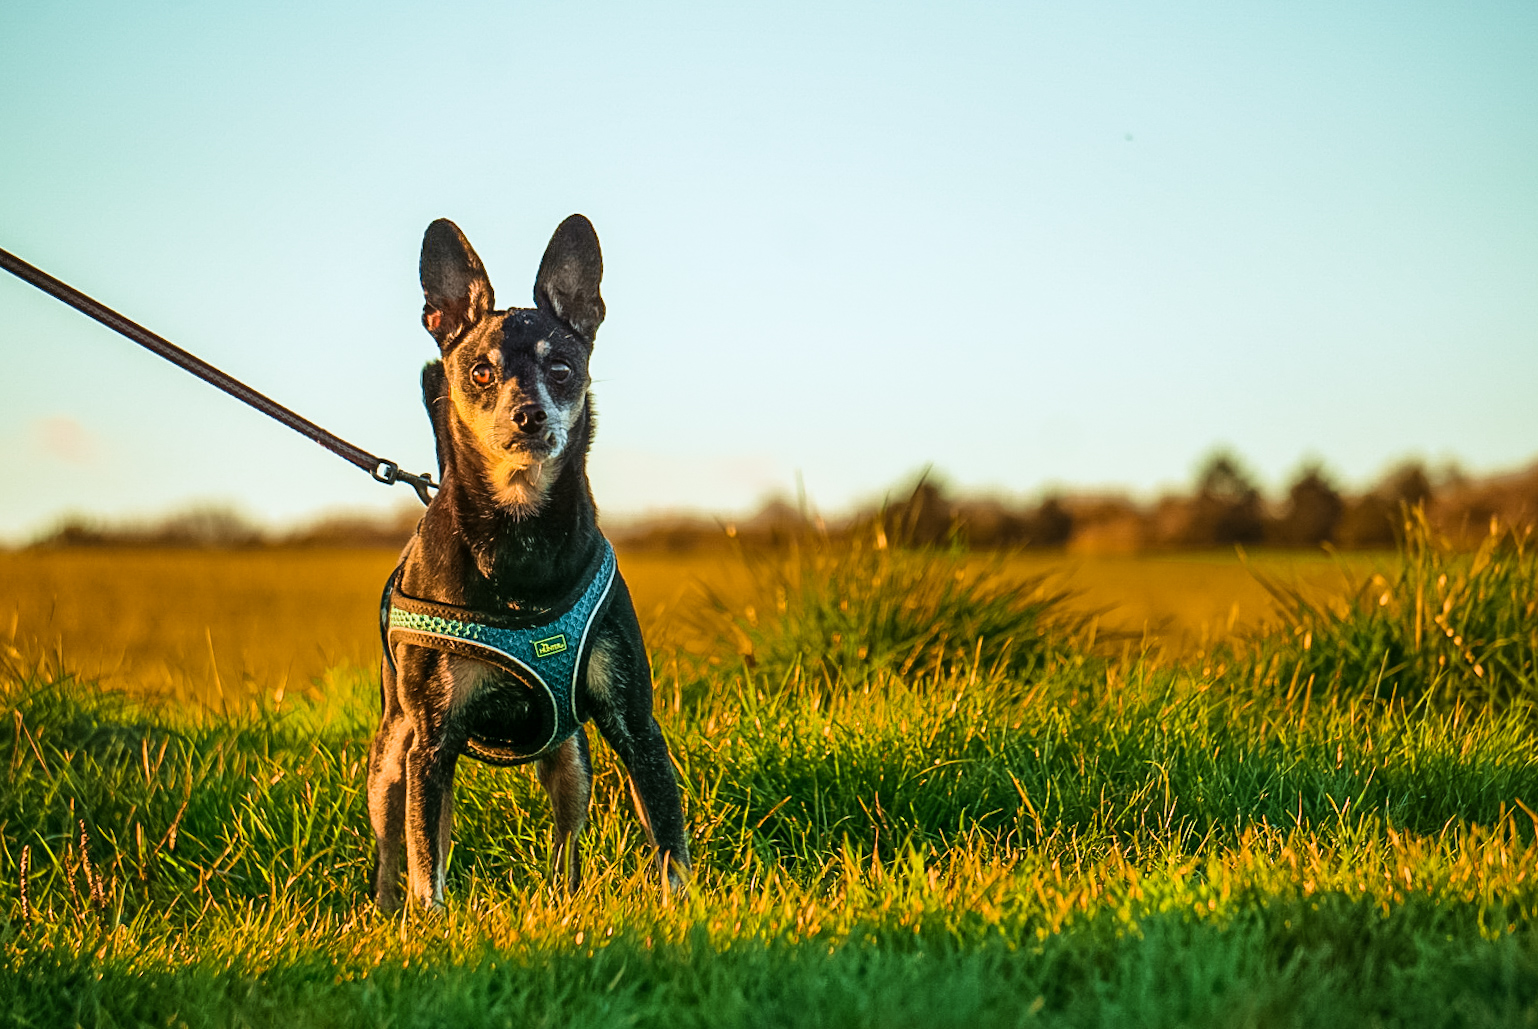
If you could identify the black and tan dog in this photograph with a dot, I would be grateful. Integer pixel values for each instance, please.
(507, 625)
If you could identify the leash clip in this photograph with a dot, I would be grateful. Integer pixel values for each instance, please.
(389, 473)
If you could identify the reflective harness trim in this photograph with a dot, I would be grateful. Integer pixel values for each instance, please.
(546, 656)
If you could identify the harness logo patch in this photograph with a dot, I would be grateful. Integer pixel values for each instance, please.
(550, 645)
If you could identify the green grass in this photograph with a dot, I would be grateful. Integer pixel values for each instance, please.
(842, 611)
(1445, 628)
(1071, 839)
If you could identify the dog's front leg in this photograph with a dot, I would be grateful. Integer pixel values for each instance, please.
(387, 789)
(429, 818)
(567, 775)
(620, 696)
(387, 806)
(654, 791)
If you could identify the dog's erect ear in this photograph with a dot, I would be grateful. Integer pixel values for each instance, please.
(567, 285)
(455, 288)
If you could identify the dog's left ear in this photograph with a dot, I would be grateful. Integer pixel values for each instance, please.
(567, 285)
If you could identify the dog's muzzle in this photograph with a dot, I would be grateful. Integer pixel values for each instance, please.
(539, 446)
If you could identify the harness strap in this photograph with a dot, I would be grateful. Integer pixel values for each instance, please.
(545, 651)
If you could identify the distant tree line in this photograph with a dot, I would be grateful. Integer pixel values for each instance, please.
(223, 527)
(1224, 507)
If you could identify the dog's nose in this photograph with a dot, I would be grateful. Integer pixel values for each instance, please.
(529, 417)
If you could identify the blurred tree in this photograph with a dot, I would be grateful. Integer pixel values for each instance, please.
(1406, 484)
(1050, 525)
(984, 523)
(1313, 512)
(1375, 520)
(1368, 522)
(1226, 508)
(927, 517)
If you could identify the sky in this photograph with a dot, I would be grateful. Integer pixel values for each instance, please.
(1029, 245)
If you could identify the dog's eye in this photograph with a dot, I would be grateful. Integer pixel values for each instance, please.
(481, 374)
(560, 371)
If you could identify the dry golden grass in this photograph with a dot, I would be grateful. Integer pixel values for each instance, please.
(208, 625)
(187, 623)
(1184, 600)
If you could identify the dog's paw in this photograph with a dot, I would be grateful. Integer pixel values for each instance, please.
(675, 879)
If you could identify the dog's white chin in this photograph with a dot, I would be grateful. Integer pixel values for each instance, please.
(519, 486)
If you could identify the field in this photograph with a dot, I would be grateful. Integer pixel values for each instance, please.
(924, 788)
(194, 626)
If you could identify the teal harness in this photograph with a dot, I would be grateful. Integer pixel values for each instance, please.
(544, 651)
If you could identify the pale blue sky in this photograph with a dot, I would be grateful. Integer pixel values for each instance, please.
(1028, 244)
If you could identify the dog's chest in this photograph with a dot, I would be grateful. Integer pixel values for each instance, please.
(472, 683)
(495, 709)
(481, 693)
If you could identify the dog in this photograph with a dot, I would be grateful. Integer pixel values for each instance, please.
(507, 626)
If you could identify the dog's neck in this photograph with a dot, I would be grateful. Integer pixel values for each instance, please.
(493, 557)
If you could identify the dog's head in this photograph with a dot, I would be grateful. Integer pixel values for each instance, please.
(515, 381)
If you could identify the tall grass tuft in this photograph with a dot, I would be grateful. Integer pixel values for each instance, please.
(841, 611)
(1446, 628)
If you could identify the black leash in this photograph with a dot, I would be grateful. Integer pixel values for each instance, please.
(387, 472)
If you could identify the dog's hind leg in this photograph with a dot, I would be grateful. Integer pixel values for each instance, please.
(567, 775)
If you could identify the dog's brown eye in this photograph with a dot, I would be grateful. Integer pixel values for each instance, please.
(481, 374)
(560, 371)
